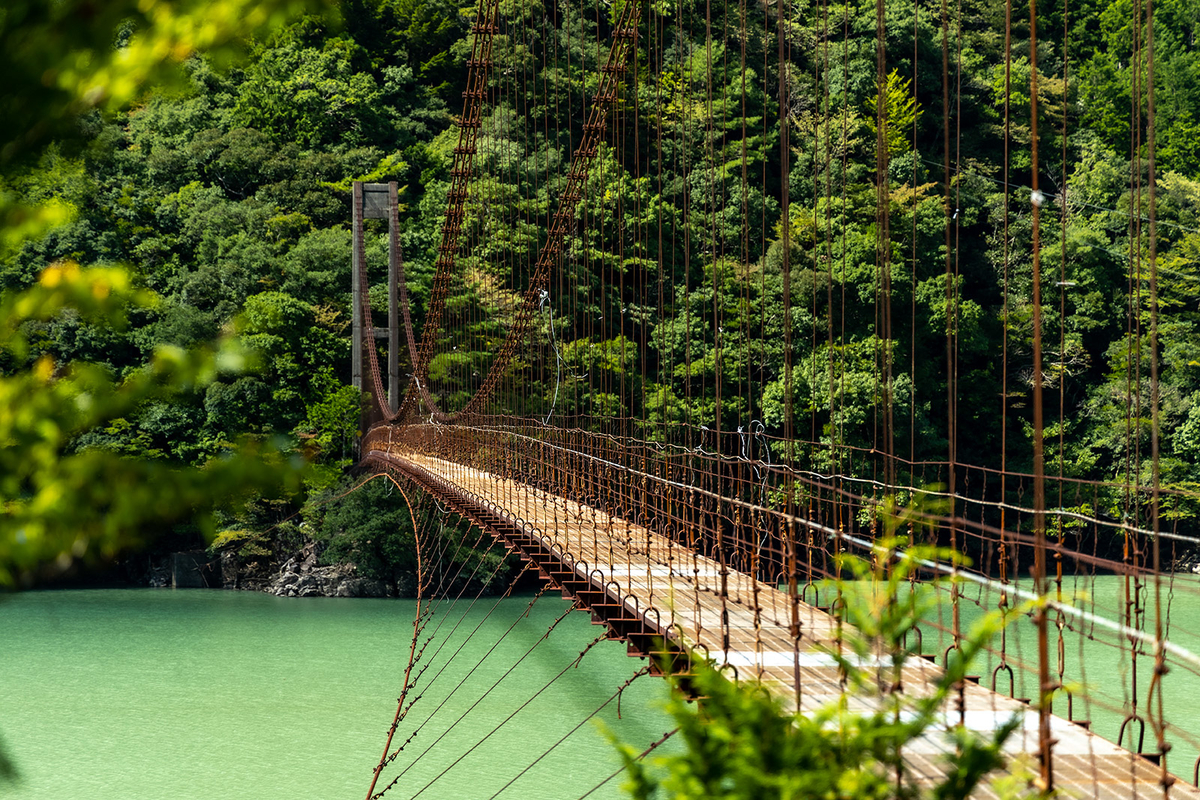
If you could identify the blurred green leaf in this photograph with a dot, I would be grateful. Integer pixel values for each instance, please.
(64, 504)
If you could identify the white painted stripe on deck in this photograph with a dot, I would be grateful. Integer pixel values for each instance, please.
(775, 658)
(1071, 739)
(635, 571)
(614, 571)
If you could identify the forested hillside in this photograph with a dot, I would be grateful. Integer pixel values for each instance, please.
(230, 200)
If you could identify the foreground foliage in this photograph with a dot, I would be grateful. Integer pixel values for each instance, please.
(739, 741)
(66, 498)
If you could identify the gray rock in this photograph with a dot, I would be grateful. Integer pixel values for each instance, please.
(406, 584)
(229, 570)
(283, 585)
(361, 587)
(339, 580)
(307, 583)
(160, 575)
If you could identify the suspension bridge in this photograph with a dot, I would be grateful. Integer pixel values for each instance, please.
(600, 386)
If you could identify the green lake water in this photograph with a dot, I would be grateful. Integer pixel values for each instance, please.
(1098, 664)
(131, 694)
(136, 694)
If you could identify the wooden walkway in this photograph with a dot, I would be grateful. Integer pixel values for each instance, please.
(677, 593)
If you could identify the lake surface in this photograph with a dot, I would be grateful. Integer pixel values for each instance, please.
(1098, 665)
(135, 694)
(149, 694)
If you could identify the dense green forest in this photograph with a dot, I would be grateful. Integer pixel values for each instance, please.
(229, 199)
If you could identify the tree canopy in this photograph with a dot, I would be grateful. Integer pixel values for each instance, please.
(228, 198)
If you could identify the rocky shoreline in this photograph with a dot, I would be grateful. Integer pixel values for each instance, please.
(300, 575)
(305, 579)
(1187, 562)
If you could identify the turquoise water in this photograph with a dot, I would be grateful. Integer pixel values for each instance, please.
(152, 693)
(1097, 663)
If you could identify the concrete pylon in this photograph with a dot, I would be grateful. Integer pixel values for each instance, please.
(376, 201)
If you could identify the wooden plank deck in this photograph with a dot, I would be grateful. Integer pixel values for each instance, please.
(747, 628)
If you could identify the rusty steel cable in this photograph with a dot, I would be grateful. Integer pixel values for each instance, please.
(572, 664)
(634, 502)
(479, 700)
(650, 749)
(614, 696)
(478, 71)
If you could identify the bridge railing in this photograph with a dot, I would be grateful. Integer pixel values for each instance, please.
(781, 520)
